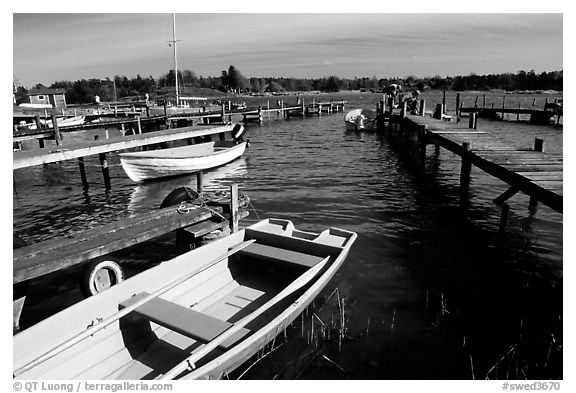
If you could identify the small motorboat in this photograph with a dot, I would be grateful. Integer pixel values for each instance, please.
(360, 120)
(148, 165)
(198, 316)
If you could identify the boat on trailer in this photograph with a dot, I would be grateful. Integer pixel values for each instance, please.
(360, 120)
(198, 316)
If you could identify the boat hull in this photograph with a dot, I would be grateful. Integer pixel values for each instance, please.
(142, 166)
(234, 288)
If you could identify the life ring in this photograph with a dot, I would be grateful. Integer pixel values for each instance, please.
(237, 132)
(99, 276)
(179, 195)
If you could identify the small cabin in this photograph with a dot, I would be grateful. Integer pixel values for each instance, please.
(54, 97)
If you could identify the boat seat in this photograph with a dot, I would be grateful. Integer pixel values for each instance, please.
(199, 326)
(279, 255)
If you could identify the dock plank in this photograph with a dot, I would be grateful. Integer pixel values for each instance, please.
(24, 159)
(52, 255)
(536, 174)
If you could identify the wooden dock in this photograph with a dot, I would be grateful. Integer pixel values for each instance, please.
(528, 169)
(24, 159)
(190, 221)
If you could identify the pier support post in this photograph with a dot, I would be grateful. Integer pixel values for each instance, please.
(403, 110)
(457, 106)
(234, 208)
(139, 125)
(57, 135)
(539, 144)
(422, 129)
(199, 181)
(83, 173)
(503, 218)
(465, 171)
(105, 170)
(473, 120)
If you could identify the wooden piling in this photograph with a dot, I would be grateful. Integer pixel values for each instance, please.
(139, 125)
(105, 170)
(503, 218)
(83, 173)
(465, 171)
(57, 135)
(234, 208)
(422, 109)
(422, 129)
(457, 105)
(199, 181)
(539, 144)
(473, 120)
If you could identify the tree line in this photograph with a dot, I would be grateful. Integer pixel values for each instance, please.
(232, 80)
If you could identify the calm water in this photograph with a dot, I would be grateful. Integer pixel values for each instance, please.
(429, 290)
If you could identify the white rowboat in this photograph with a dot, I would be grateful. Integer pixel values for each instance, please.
(147, 165)
(199, 315)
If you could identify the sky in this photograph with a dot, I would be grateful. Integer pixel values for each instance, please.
(49, 47)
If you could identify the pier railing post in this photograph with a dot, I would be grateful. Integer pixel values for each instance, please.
(539, 144)
(422, 109)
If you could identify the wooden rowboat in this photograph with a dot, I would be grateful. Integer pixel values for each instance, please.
(62, 122)
(199, 315)
(147, 165)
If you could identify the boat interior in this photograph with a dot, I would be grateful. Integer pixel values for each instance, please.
(165, 330)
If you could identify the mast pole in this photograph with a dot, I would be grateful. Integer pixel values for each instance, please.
(175, 58)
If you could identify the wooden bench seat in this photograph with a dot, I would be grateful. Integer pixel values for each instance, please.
(279, 255)
(190, 323)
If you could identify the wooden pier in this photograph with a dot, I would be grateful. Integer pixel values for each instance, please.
(527, 169)
(190, 222)
(24, 159)
(552, 112)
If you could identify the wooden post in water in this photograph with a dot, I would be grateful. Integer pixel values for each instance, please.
(57, 135)
(199, 181)
(38, 127)
(472, 120)
(105, 170)
(444, 100)
(483, 101)
(422, 109)
(465, 171)
(139, 125)
(457, 106)
(503, 218)
(234, 208)
(503, 106)
(403, 111)
(83, 173)
(422, 129)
